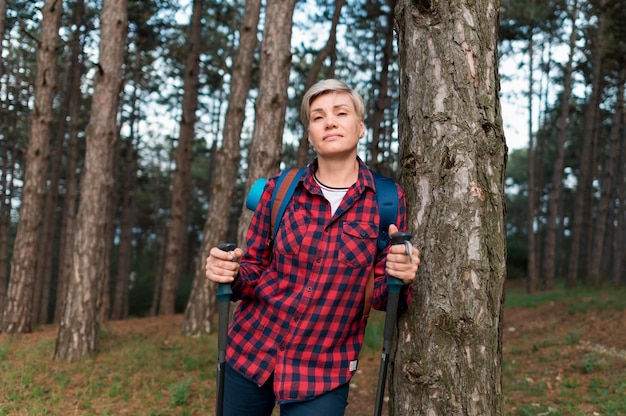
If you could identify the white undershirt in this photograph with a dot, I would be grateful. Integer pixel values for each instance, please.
(332, 195)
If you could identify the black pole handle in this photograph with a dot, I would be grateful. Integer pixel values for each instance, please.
(224, 291)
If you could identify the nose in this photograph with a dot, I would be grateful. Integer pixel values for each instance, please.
(331, 122)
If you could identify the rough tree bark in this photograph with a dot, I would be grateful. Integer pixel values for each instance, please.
(452, 158)
(77, 337)
(17, 316)
(201, 302)
(181, 181)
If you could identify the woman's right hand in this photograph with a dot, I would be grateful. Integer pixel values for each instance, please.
(223, 266)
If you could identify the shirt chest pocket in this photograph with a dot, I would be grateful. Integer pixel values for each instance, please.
(291, 232)
(358, 243)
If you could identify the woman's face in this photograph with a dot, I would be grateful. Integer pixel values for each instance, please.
(334, 126)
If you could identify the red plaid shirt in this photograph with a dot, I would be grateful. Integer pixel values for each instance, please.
(300, 313)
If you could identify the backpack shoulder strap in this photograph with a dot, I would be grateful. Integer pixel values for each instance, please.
(387, 198)
(285, 185)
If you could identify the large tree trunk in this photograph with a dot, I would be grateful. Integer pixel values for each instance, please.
(559, 162)
(452, 157)
(78, 330)
(182, 175)
(275, 66)
(226, 164)
(17, 317)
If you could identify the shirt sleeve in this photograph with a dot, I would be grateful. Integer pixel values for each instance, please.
(379, 297)
(257, 255)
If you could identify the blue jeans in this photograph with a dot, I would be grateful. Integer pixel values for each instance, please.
(243, 397)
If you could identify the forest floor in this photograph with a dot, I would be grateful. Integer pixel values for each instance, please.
(565, 357)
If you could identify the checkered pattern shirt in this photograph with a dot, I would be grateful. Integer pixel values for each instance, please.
(301, 305)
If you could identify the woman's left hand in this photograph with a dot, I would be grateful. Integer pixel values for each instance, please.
(399, 264)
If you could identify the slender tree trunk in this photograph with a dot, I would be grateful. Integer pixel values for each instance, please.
(6, 183)
(329, 49)
(275, 66)
(532, 280)
(380, 134)
(201, 303)
(119, 309)
(68, 213)
(182, 175)
(3, 19)
(78, 330)
(448, 359)
(586, 168)
(607, 184)
(620, 224)
(559, 161)
(17, 316)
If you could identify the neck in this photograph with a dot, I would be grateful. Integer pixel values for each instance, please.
(337, 174)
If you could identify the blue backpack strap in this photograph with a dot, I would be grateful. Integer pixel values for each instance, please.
(285, 186)
(387, 196)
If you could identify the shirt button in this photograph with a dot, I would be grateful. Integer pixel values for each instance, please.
(282, 348)
(308, 289)
(318, 260)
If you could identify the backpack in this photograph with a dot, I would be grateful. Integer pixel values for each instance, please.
(386, 196)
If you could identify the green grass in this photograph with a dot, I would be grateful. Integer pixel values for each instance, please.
(548, 370)
(580, 299)
(132, 374)
(157, 371)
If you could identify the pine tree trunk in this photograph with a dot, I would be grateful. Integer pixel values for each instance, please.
(182, 176)
(201, 303)
(607, 184)
(68, 213)
(532, 279)
(6, 185)
(448, 359)
(581, 205)
(329, 49)
(17, 317)
(275, 66)
(380, 131)
(119, 308)
(559, 162)
(78, 330)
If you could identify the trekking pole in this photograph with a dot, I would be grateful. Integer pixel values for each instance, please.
(224, 292)
(394, 286)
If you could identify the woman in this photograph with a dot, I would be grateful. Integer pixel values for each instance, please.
(296, 335)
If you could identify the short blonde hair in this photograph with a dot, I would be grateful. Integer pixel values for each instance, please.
(327, 86)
